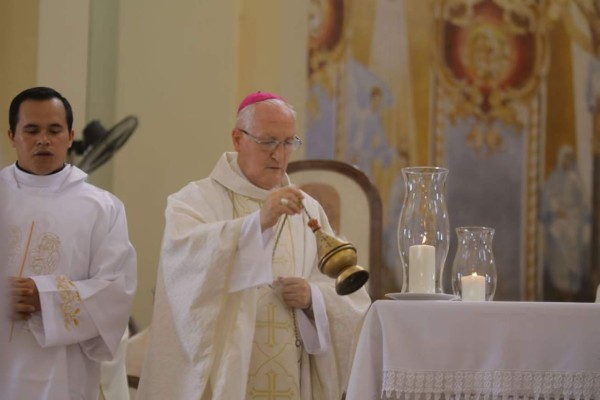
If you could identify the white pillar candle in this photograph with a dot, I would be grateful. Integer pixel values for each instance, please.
(421, 269)
(473, 287)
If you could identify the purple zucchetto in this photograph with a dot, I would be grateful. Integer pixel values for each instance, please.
(257, 97)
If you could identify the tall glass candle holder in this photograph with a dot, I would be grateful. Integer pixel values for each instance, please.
(474, 268)
(423, 229)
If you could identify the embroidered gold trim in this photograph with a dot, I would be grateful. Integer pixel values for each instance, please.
(46, 254)
(70, 299)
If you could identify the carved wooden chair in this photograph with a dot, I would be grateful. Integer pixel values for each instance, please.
(353, 206)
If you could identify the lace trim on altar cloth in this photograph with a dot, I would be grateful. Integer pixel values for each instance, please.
(479, 385)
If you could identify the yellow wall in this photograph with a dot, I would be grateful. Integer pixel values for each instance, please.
(18, 46)
(63, 51)
(103, 44)
(43, 43)
(272, 51)
(181, 68)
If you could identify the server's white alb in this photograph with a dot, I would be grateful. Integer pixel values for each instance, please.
(84, 266)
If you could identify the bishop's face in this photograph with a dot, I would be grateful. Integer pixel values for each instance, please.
(263, 167)
(42, 137)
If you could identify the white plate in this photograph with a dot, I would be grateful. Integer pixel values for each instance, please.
(422, 296)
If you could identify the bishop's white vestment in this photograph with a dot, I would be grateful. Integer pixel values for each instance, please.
(219, 330)
(71, 238)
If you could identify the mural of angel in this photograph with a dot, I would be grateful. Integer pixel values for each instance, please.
(325, 25)
(367, 142)
(591, 12)
(567, 230)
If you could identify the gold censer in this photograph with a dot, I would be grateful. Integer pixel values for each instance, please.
(337, 260)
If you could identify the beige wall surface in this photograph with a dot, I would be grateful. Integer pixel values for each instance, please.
(177, 74)
(63, 52)
(272, 51)
(102, 75)
(44, 43)
(18, 46)
(182, 70)
(180, 67)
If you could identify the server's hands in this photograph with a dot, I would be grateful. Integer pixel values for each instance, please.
(25, 298)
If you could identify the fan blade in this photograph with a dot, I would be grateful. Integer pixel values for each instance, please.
(103, 151)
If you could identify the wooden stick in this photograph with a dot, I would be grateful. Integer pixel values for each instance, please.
(21, 270)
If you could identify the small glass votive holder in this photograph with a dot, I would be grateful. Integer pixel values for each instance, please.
(474, 275)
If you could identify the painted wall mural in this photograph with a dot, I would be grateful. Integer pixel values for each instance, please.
(502, 93)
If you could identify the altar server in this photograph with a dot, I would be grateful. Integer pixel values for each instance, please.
(67, 255)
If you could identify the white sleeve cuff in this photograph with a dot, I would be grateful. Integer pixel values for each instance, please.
(46, 288)
(63, 320)
(315, 337)
(252, 266)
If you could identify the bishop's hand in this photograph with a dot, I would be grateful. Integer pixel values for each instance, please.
(295, 291)
(284, 200)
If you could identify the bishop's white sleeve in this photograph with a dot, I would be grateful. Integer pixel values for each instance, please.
(252, 266)
(315, 337)
(93, 310)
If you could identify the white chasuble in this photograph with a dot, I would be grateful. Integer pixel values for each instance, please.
(276, 351)
(274, 370)
(210, 342)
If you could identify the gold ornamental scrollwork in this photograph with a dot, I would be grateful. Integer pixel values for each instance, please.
(70, 300)
(490, 57)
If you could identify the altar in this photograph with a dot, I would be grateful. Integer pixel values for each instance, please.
(456, 349)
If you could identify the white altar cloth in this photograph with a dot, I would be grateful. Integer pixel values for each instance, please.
(450, 349)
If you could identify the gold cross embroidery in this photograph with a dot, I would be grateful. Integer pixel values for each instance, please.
(271, 325)
(271, 392)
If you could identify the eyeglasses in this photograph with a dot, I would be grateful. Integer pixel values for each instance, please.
(271, 145)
